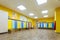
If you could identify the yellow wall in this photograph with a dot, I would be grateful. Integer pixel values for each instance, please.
(46, 19)
(57, 19)
(17, 16)
(34, 23)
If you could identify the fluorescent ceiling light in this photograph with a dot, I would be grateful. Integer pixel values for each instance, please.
(31, 14)
(45, 11)
(21, 7)
(41, 1)
(35, 17)
(45, 16)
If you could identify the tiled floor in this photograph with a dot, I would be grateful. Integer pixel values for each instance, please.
(32, 34)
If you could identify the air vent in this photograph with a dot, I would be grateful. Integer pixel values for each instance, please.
(58, 0)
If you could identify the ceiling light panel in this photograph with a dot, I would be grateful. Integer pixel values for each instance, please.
(45, 12)
(41, 1)
(31, 14)
(45, 16)
(35, 17)
(21, 7)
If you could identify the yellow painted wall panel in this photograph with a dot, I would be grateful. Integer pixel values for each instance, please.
(10, 14)
(6, 9)
(18, 16)
(33, 24)
(46, 19)
(57, 19)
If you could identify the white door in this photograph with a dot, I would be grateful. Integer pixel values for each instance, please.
(3, 21)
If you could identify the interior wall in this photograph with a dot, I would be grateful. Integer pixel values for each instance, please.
(17, 17)
(57, 17)
(33, 21)
(46, 23)
(46, 19)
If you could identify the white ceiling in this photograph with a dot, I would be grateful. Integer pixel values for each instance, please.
(32, 6)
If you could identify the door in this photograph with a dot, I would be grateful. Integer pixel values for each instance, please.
(29, 24)
(42, 25)
(3, 21)
(22, 24)
(45, 25)
(38, 25)
(18, 24)
(25, 24)
(53, 25)
(14, 23)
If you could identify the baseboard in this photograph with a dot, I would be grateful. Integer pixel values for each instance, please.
(58, 32)
(46, 28)
(4, 33)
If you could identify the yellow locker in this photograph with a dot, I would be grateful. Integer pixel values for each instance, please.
(18, 24)
(9, 24)
(50, 25)
(25, 24)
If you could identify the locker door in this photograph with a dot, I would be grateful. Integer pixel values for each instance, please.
(38, 25)
(42, 25)
(14, 24)
(9, 24)
(30, 25)
(27, 25)
(49, 25)
(18, 24)
(45, 25)
(22, 24)
(52, 25)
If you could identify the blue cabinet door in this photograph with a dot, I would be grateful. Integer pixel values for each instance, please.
(42, 25)
(46, 25)
(52, 25)
(14, 23)
(22, 24)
